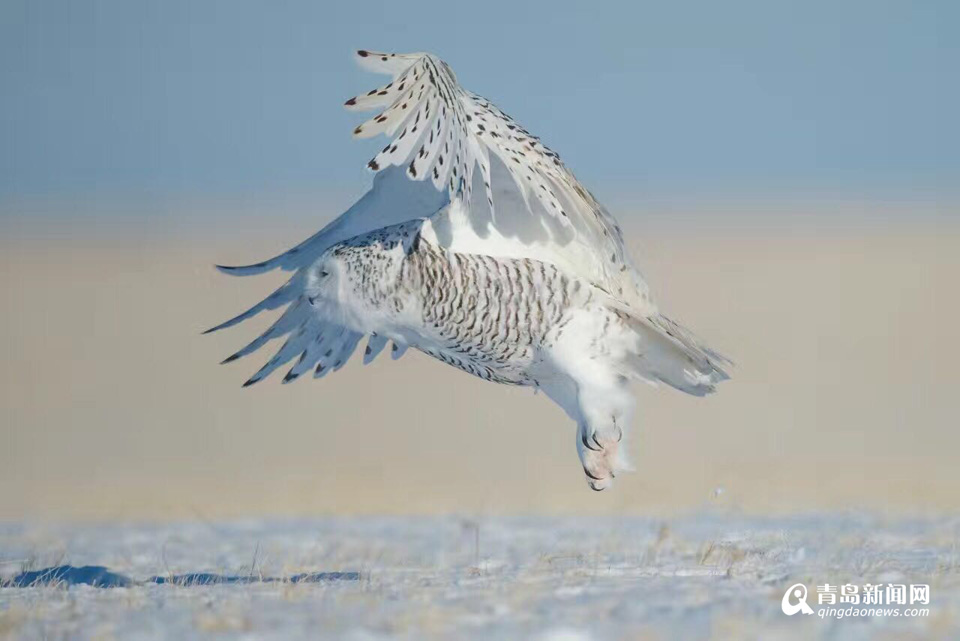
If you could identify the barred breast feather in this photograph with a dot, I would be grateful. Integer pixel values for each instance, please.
(488, 316)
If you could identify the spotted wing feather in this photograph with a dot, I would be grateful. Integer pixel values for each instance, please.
(445, 132)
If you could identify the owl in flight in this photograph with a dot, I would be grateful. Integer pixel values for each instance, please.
(478, 247)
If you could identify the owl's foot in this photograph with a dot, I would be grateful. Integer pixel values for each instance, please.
(599, 453)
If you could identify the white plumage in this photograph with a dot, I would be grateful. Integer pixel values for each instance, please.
(529, 284)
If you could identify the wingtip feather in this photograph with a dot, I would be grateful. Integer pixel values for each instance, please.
(246, 270)
(217, 328)
(383, 62)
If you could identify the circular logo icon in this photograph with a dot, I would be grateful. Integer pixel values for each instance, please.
(796, 591)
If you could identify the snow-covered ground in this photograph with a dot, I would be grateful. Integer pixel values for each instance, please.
(708, 575)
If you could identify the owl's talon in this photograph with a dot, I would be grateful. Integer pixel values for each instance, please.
(599, 444)
(600, 454)
(583, 439)
(587, 472)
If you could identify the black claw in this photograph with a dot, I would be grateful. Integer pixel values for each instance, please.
(594, 437)
(595, 478)
(583, 439)
(597, 489)
(619, 429)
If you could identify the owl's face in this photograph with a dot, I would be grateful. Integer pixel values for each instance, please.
(323, 277)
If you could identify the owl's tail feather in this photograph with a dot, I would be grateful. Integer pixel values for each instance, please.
(670, 353)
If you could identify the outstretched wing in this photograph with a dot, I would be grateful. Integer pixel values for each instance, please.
(318, 342)
(391, 200)
(441, 131)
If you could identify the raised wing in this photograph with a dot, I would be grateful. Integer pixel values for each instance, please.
(440, 130)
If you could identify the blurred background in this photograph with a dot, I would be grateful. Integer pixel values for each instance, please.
(787, 173)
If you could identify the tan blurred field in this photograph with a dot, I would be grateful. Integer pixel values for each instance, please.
(114, 406)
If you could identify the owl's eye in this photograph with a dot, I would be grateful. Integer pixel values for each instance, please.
(323, 274)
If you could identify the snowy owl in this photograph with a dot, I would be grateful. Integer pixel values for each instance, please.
(515, 273)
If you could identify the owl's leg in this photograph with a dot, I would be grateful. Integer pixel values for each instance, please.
(586, 382)
(604, 414)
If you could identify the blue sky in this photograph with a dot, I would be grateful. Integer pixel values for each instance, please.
(848, 99)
